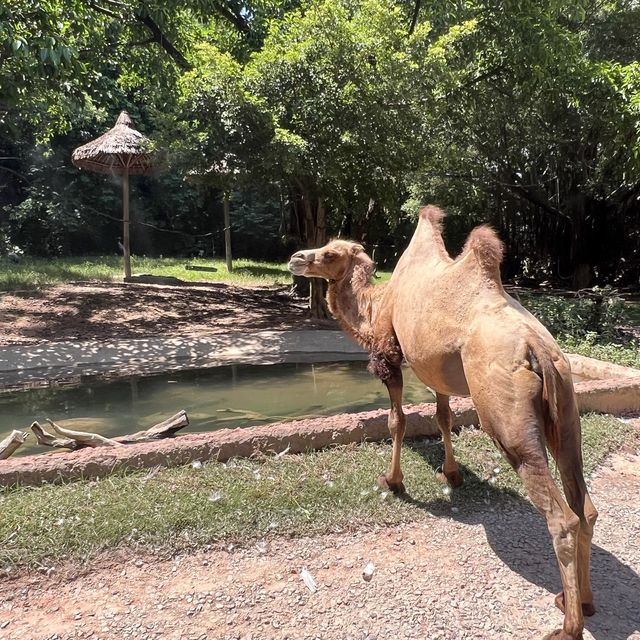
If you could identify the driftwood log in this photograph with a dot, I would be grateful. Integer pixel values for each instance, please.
(72, 439)
(12, 442)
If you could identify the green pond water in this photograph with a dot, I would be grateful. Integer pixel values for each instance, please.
(231, 396)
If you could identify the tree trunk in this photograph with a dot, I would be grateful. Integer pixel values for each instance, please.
(227, 232)
(580, 254)
(315, 227)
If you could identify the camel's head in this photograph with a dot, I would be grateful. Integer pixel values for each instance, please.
(335, 261)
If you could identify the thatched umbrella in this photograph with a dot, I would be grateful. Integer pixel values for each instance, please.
(122, 151)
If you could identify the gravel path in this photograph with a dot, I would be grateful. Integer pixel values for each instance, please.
(485, 575)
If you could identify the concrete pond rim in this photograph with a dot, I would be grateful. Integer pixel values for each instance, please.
(607, 388)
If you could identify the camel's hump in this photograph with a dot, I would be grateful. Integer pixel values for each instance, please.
(433, 214)
(488, 249)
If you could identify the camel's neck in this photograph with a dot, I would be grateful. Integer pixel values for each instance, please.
(351, 301)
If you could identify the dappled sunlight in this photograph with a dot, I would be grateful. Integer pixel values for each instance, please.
(40, 363)
(120, 311)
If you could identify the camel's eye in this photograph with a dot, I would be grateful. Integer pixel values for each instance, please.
(330, 255)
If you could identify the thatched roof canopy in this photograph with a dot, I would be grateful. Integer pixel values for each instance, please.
(121, 149)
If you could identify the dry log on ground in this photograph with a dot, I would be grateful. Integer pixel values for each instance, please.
(74, 440)
(12, 442)
(165, 429)
(45, 438)
(85, 438)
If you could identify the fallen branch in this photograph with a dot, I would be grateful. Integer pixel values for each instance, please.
(86, 438)
(75, 440)
(45, 438)
(12, 442)
(165, 429)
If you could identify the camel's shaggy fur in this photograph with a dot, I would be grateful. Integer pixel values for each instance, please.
(462, 334)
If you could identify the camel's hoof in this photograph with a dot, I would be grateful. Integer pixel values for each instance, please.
(394, 487)
(559, 634)
(454, 478)
(587, 607)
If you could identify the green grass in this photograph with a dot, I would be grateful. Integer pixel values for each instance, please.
(244, 500)
(582, 327)
(35, 273)
(627, 355)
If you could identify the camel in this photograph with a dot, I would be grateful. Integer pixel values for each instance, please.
(462, 334)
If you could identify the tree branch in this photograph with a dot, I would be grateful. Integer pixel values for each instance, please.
(161, 39)
(535, 198)
(238, 21)
(15, 173)
(106, 12)
(414, 18)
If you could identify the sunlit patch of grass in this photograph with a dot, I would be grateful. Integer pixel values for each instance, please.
(244, 500)
(627, 355)
(35, 273)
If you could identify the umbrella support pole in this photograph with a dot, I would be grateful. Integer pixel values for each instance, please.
(125, 224)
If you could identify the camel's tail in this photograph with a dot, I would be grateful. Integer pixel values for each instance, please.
(553, 390)
(488, 249)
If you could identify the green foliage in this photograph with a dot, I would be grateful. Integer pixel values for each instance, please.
(625, 353)
(537, 130)
(524, 114)
(305, 110)
(599, 313)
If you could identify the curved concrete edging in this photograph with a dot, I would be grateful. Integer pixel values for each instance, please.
(617, 391)
(299, 436)
(610, 396)
(33, 365)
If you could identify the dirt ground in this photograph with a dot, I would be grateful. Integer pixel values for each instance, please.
(488, 574)
(101, 310)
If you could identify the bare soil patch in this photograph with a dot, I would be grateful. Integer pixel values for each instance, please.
(108, 311)
(485, 574)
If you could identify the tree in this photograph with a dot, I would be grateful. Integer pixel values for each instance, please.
(537, 126)
(325, 109)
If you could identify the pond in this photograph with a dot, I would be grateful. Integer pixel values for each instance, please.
(230, 396)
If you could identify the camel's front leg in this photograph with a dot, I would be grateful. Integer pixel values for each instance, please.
(392, 480)
(450, 471)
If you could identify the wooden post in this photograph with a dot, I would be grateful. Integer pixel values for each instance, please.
(227, 232)
(125, 223)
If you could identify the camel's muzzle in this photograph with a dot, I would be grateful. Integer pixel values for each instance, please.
(300, 261)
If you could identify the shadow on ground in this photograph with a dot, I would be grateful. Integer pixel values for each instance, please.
(108, 311)
(518, 535)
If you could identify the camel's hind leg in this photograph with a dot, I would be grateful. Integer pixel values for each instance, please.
(567, 452)
(392, 480)
(564, 526)
(450, 471)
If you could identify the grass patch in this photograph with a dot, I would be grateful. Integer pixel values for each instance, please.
(244, 500)
(627, 355)
(36, 273)
(582, 326)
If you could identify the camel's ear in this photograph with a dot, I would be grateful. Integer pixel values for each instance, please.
(363, 264)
